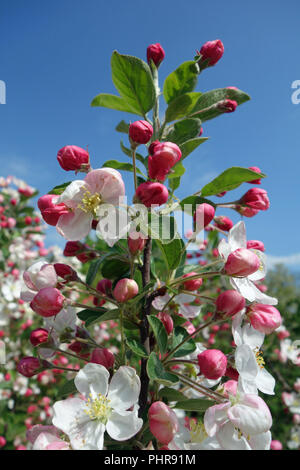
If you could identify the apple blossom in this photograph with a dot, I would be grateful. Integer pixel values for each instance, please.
(229, 303)
(212, 51)
(140, 132)
(155, 53)
(212, 363)
(73, 158)
(105, 407)
(84, 197)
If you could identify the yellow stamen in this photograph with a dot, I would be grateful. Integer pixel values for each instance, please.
(90, 203)
(98, 408)
(259, 358)
(197, 432)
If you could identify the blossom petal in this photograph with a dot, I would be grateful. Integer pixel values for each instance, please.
(251, 415)
(108, 183)
(265, 382)
(248, 290)
(92, 379)
(124, 388)
(261, 441)
(237, 236)
(123, 425)
(75, 225)
(214, 417)
(245, 362)
(73, 193)
(224, 249)
(262, 270)
(230, 439)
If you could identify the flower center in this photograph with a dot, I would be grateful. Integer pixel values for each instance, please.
(259, 358)
(197, 432)
(90, 202)
(98, 408)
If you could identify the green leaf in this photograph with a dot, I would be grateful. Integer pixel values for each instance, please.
(89, 316)
(230, 179)
(156, 371)
(161, 227)
(133, 80)
(183, 131)
(114, 102)
(60, 188)
(171, 394)
(182, 80)
(136, 347)
(182, 106)
(123, 127)
(114, 268)
(174, 183)
(159, 331)
(172, 252)
(190, 145)
(128, 152)
(177, 171)
(68, 388)
(194, 404)
(120, 166)
(207, 100)
(93, 270)
(179, 335)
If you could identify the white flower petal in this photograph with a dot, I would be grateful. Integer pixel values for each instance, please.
(92, 379)
(237, 236)
(123, 425)
(265, 382)
(251, 415)
(252, 337)
(248, 290)
(224, 249)
(262, 270)
(108, 183)
(73, 193)
(245, 362)
(75, 225)
(230, 439)
(214, 417)
(124, 388)
(261, 441)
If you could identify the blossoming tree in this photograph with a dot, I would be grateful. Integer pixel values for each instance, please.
(158, 383)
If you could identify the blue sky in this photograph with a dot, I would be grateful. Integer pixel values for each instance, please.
(55, 58)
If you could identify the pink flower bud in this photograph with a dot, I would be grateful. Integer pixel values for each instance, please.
(212, 51)
(203, 215)
(232, 373)
(257, 170)
(230, 388)
(156, 53)
(151, 193)
(11, 222)
(163, 422)
(104, 357)
(47, 302)
(167, 320)
(212, 363)
(256, 198)
(51, 211)
(39, 336)
(65, 271)
(29, 366)
(73, 248)
(246, 211)
(104, 286)
(140, 132)
(264, 318)
(229, 303)
(275, 445)
(255, 245)
(165, 155)
(223, 223)
(2, 441)
(227, 106)
(125, 290)
(193, 284)
(136, 242)
(28, 220)
(242, 262)
(73, 158)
